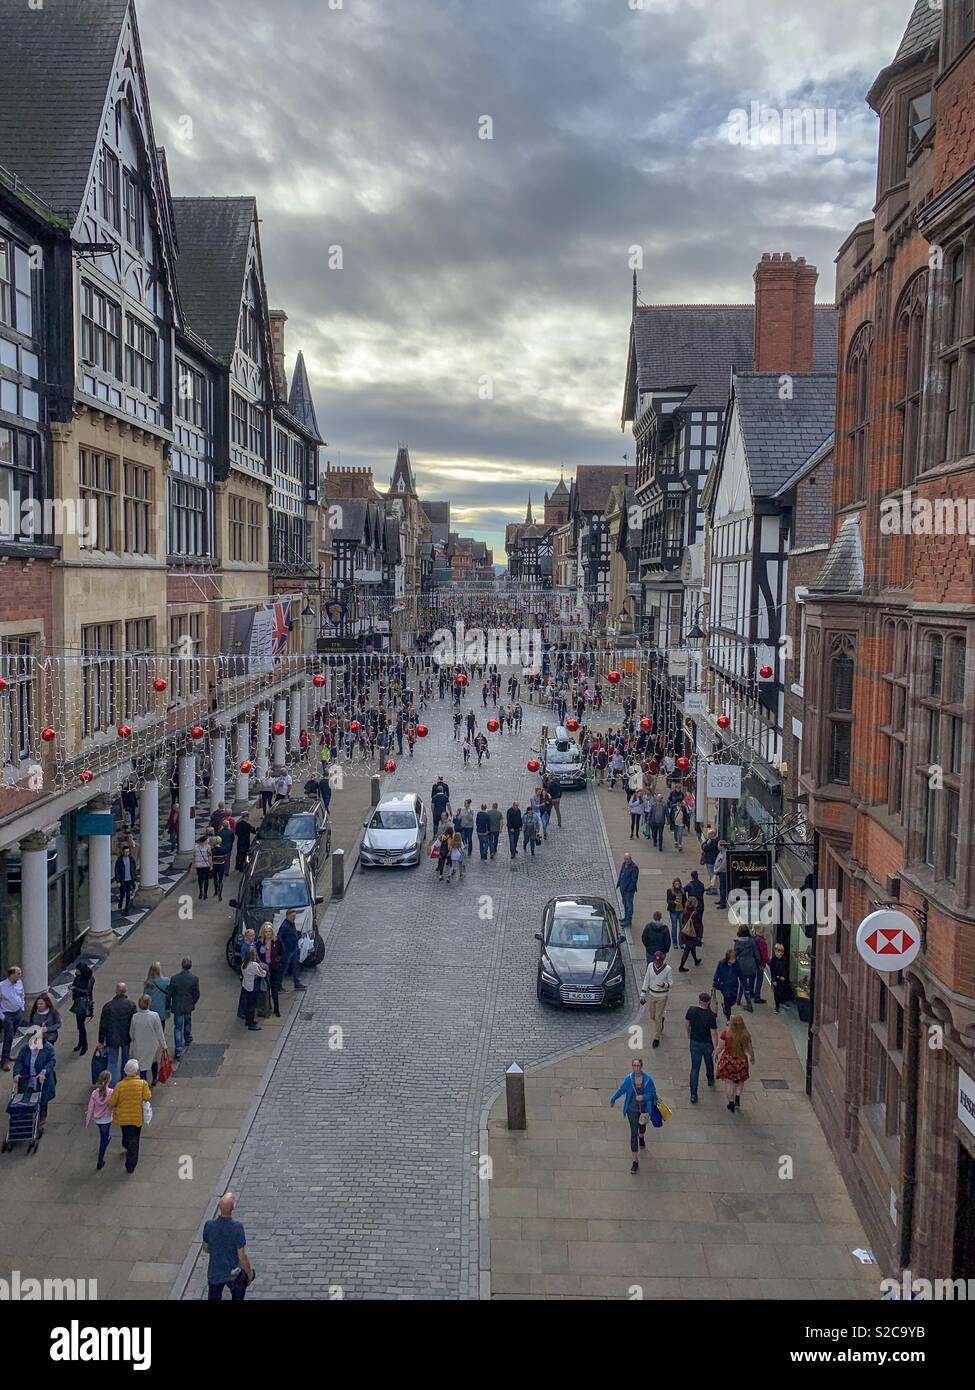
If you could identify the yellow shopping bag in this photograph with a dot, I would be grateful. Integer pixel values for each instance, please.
(664, 1108)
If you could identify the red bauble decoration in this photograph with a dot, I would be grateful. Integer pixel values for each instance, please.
(277, 729)
(723, 721)
(572, 725)
(3, 683)
(765, 672)
(613, 677)
(354, 726)
(533, 764)
(197, 731)
(159, 685)
(48, 735)
(389, 765)
(461, 679)
(493, 726)
(646, 725)
(683, 764)
(86, 776)
(318, 680)
(421, 731)
(246, 766)
(124, 731)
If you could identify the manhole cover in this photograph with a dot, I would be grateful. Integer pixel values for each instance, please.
(775, 1085)
(202, 1059)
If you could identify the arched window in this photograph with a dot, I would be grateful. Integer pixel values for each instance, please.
(958, 355)
(910, 345)
(858, 379)
(839, 713)
(897, 680)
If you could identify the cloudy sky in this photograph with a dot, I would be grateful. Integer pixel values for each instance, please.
(482, 306)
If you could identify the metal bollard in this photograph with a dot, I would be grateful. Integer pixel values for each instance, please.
(376, 785)
(514, 1090)
(338, 873)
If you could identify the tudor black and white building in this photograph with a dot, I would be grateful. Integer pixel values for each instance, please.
(588, 503)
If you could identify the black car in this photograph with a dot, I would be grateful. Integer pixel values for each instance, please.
(303, 821)
(580, 963)
(277, 877)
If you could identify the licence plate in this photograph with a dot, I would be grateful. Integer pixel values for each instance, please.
(387, 863)
(581, 996)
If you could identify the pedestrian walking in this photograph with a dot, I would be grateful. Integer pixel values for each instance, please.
(654, 993)
(172, 824)
(184, 994)
(203, 863)
(494, 827)
(727, 980)
(748, 962)
(779, 970)
(147, 1041)
(288, 937)
(482, 825)
(734, 1054)
(554, 789)
(655, 937)
(157, 988)
(639, 1097)
(43, 1014)
(270, 956)
(676, 903)
(442, 846)
(82, 1003)
(125, 876)
(720, 870)
(251, 971)
(658, 819)
(34, 1069)
(689, 937)
(225, 1245)
(243, 834)
(531, 829)
(702, 1035)
(127, 1103)
(635, 807)
(761, 945)
(467, 826)
(12, 1005)
(626, 882)
(514, 822)
(99, 1110)
(218, 865)
(709, 853)
(114, 1029)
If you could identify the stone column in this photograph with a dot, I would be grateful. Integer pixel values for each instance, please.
(295, 730)
(263, 739)
(101, 938)
(243, 792)
(187, 810)
(33, 907)
(279, 747)
(149, 890)
(218, 769)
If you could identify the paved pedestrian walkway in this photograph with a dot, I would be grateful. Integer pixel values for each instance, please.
(60, 1218)
(746, 1206)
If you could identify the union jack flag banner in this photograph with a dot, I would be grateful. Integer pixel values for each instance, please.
(281, 629)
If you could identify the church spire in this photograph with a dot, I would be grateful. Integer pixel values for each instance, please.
(634, 293)
(529, 519)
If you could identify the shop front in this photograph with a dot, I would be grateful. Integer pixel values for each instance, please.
(68, 916)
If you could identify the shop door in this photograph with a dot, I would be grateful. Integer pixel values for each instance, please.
(964, 1259)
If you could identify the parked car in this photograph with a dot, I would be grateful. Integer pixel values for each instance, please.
(277, 877)
(580, 962)
(304, 822)
(394, 834)
(562, 759)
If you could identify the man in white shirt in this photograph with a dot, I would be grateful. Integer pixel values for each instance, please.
(12, 1007)
(655, 991)
(284, 785)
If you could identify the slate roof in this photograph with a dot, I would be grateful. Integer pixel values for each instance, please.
(922, 32)
(213, 235)
(300, 401)
(57, 64)
(695, 348)
(594, 481)
(403, 468)
(842, 571)
(353, 519)
(780, 435)
(807, 466)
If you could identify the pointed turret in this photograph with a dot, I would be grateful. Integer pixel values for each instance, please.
(300, 401)
(403, 481)
(529, 519)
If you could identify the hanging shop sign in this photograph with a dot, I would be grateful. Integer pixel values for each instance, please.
(966, 1101)
(724, 781)
(888, 940)
(678, 663)
(750, 869)
(695, 703)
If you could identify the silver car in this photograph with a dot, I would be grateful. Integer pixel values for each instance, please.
(394, 833)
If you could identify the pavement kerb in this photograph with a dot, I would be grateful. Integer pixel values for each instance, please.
(224, 1183)
(484, 1195)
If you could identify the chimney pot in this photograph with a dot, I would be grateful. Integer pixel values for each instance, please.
(785, 294)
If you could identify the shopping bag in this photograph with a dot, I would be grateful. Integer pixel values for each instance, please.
(664, 1110)
(165, 1069)
(147, 1112)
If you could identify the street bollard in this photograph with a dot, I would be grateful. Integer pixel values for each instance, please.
(376, 785)
(338, 873)
(514, 1089)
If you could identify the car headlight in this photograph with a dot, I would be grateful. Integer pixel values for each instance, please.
(548, 972)
(614, 980)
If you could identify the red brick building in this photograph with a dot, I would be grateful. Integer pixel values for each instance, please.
(887, 757)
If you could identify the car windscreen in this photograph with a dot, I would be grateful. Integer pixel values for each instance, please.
(279, 892)
(392, 818)
(585, 932)
(554, 754)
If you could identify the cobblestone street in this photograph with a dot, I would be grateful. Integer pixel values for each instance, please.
(359, 1171)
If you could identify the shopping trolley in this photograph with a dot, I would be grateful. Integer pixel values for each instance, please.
(23, 1122)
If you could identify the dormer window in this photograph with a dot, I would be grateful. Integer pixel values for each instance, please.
(918, 120)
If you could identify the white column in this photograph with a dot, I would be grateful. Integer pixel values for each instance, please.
(187, 803)
(280, 717)
(295, 730)
(149, 835)
(218, 769)
(100, 883)
(243, 796)
(263, 738)
(33, 907)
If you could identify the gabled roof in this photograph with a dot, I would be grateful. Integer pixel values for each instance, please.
(593, 483)
(352, 516)
(300, 401)
(213, 234)
(403, 472)
(57, 65)
(842, 571)
(780, 435)
(920, 42)
(807, 466)
(692, 349)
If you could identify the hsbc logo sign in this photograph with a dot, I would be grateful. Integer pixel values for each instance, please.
(888, 940)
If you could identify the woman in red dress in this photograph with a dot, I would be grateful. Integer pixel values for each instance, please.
(734, 1054)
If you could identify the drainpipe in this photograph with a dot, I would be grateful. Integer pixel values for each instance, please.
(912, 1067)
(812, 974)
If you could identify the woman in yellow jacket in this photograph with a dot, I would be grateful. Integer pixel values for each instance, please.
(126, 1102)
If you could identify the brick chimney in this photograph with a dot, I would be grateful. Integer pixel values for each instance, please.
(785, 293)
(278, 319)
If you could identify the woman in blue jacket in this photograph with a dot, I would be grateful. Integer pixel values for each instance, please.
(639, 1097)
(34, 1070)
(727, 980)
